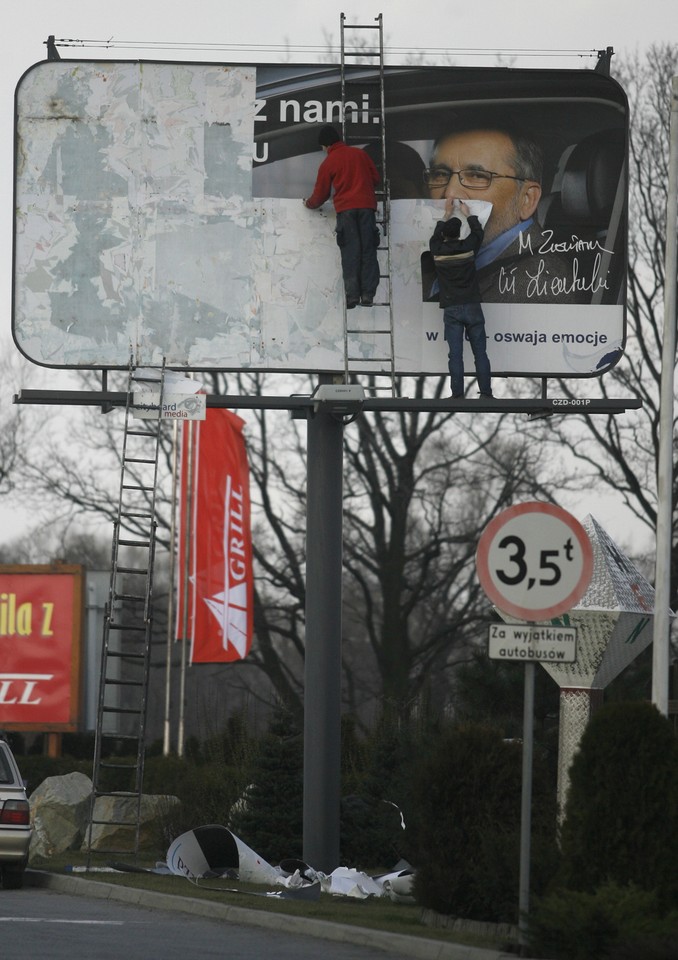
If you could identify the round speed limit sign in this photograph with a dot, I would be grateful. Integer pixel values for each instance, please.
(534, 561)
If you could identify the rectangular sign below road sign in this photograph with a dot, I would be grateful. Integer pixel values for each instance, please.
(529, 642)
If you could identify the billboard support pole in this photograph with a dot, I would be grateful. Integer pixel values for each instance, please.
(662, 622)
(322, 664)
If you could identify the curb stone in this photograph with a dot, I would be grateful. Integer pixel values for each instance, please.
(396, 943)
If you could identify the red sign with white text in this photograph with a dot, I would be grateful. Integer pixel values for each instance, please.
(40, 643)
(215, 549)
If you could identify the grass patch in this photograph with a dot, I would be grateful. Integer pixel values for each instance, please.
(376, 913)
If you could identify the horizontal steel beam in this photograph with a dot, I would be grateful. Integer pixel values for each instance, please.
(534, 407)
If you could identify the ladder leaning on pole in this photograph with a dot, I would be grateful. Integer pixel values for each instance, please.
(118, 769)
(368, 332)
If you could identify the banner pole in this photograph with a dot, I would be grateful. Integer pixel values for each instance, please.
(166, 738)
(664, 544)
(188, 536)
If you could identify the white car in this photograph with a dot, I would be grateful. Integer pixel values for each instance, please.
(15, 822)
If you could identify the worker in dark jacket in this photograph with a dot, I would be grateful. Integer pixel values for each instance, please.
(455, 267)
(350, 175)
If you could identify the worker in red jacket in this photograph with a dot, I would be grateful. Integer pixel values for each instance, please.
(349, 174)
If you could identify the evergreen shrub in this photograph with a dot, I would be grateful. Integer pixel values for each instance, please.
(377, 805)
(468, 803)
(613, 923)
(621, 821)
(268, 815)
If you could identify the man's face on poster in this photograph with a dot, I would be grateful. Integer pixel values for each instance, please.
(470, 157)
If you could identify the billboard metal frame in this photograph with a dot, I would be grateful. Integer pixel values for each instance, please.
(306, 405)
(243, 277)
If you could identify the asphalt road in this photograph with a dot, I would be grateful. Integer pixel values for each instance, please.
(56, 926)
(59, 916)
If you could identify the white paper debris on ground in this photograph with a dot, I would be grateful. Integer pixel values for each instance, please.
(213, 851)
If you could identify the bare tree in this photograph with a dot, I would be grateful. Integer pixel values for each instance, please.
(13, 424)
(91, 550)
(418, 489)
(74, 474)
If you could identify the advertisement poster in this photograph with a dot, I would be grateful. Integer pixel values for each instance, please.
(40, 646)
(159, 206)
(215, 609)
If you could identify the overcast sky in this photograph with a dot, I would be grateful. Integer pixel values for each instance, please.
(492, 25)
(565, 35)
(526, 33)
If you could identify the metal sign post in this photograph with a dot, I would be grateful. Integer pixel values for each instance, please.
(534, 562)
(529, 643)
(526, 803)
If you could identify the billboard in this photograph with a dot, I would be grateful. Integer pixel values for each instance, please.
(40, 645)
(158, 211)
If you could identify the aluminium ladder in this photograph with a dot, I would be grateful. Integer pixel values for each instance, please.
(119, 748)
(368, 331)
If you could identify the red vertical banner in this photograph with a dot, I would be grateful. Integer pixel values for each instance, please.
(215, 548)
